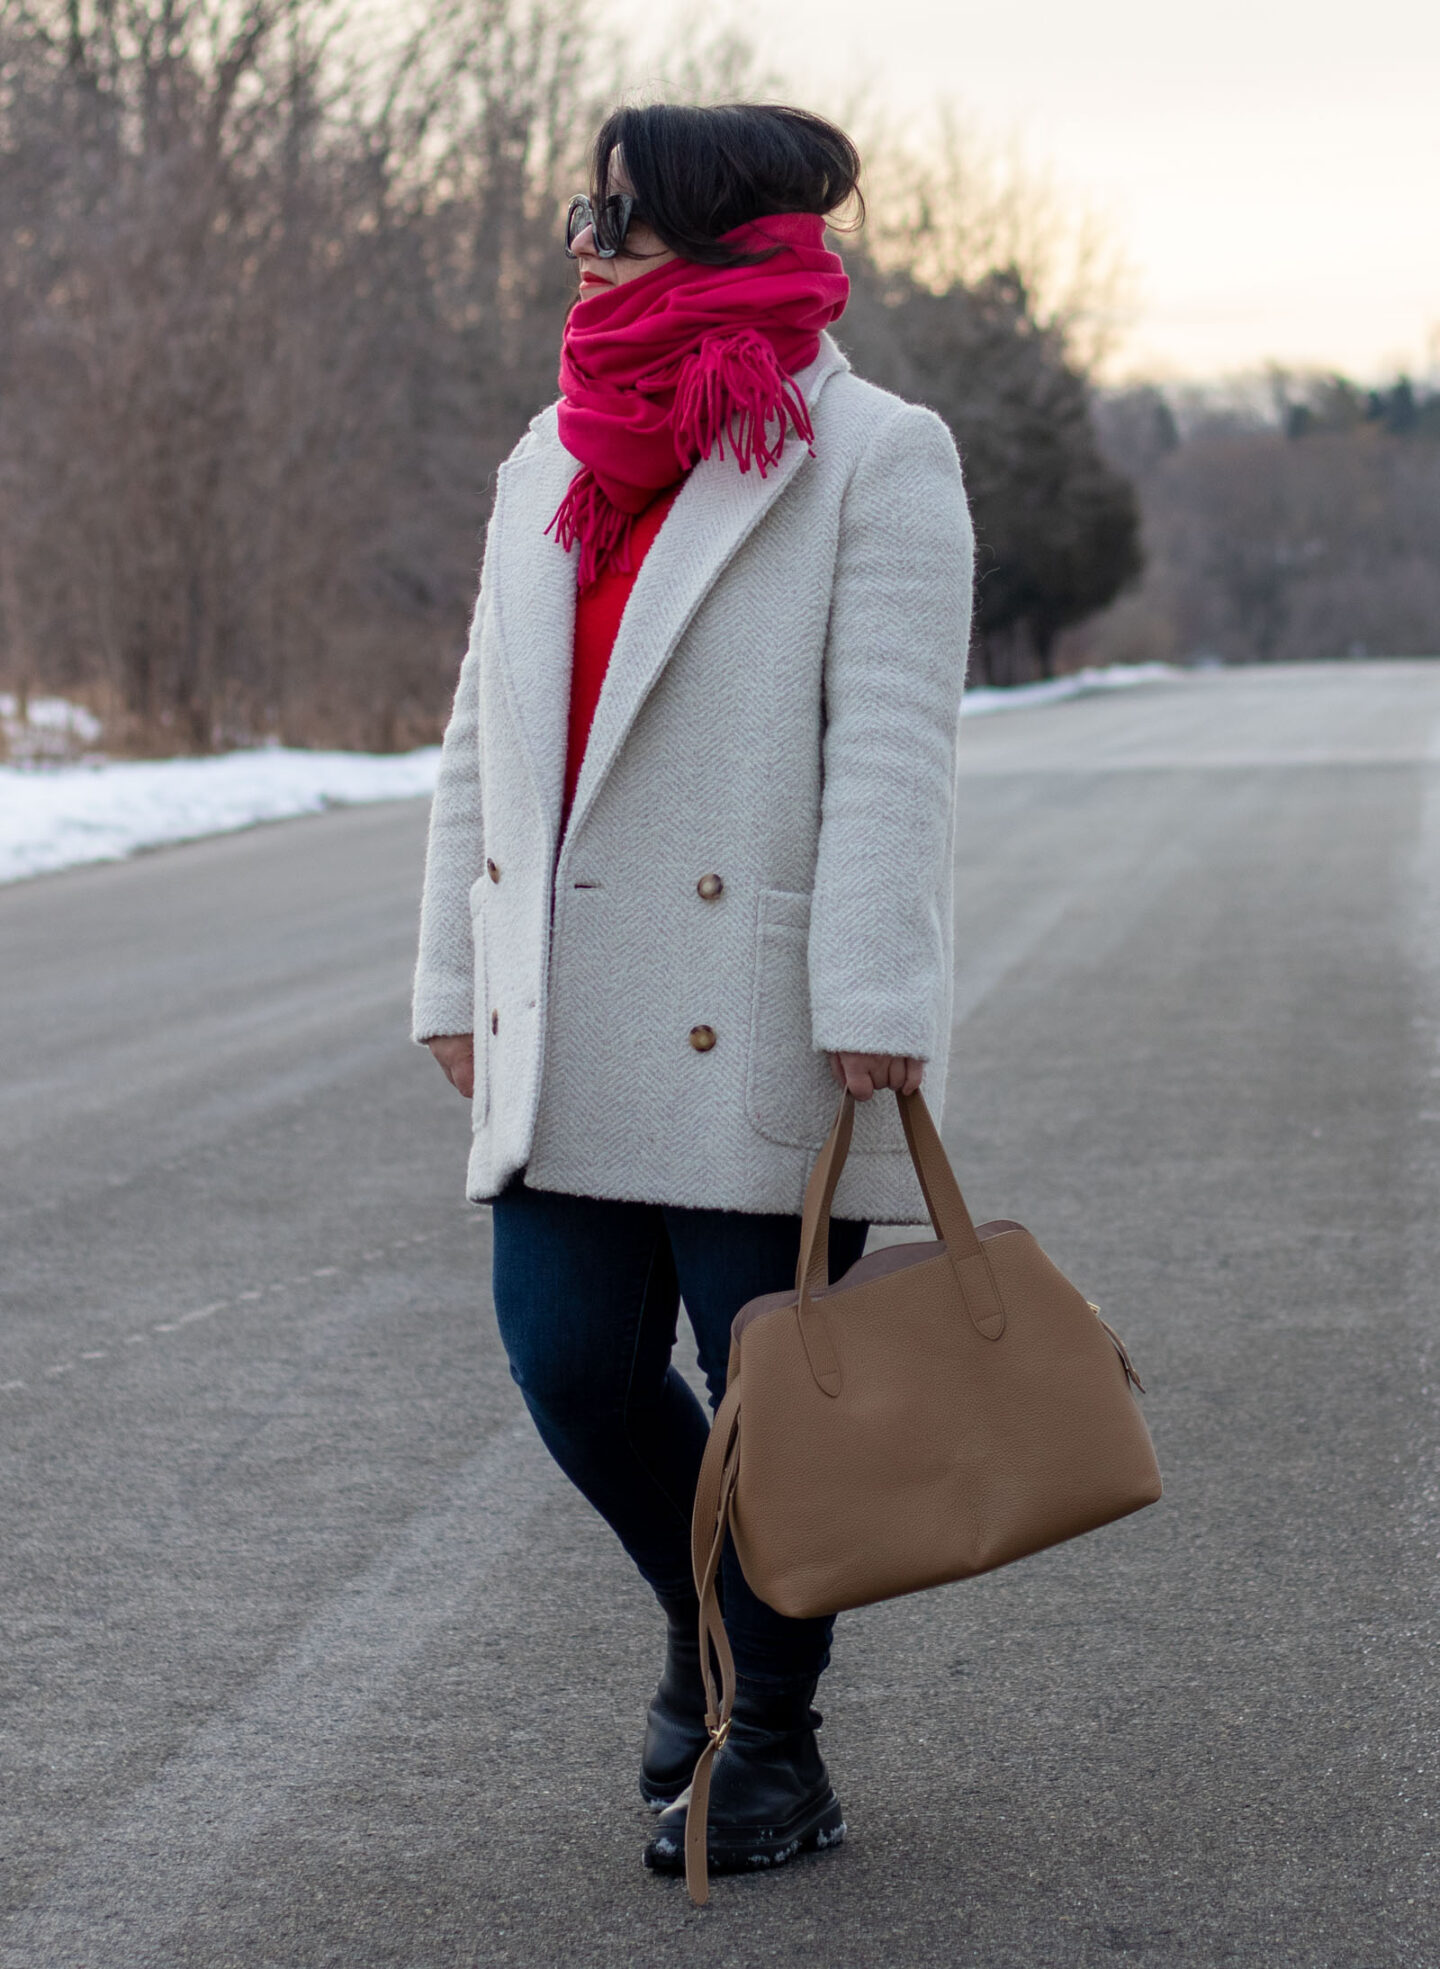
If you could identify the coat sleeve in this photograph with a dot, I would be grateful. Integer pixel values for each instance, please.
(899, 635)
(444, 999)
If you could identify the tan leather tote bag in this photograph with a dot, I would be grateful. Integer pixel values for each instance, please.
(942, 1409)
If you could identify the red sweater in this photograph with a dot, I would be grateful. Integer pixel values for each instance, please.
(598, 610)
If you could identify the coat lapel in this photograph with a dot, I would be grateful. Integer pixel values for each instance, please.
(534, 594)
(534, 599)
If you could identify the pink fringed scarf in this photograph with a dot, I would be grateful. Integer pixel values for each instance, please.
(673, 365)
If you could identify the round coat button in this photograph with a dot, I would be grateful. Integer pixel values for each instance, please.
(709, 886)
(702, 1038)
(491, 870)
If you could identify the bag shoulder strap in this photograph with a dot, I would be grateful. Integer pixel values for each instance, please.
(708, 1527)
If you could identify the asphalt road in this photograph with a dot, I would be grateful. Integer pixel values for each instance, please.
(309, 1657)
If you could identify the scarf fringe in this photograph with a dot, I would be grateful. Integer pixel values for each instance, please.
(586, 515)
(734, 389)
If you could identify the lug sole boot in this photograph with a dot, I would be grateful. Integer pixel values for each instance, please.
(675, 1731)
(770, 1794)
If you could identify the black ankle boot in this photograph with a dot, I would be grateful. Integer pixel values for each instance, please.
(770, 1794)
(675, 1731)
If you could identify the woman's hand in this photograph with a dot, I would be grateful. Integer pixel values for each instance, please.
(456, 1055)
(869, 1073)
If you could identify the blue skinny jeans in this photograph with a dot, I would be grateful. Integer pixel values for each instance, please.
(587, 1293)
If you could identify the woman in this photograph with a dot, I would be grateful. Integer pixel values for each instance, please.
(690, 858)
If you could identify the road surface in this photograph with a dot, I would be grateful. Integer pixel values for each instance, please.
(311, 1659)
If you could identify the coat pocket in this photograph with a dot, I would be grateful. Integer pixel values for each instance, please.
(790, 1096)
(480, 1101)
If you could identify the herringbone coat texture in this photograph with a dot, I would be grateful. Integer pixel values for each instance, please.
(781, 710)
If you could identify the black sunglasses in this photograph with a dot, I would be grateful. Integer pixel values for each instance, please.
(610, 223)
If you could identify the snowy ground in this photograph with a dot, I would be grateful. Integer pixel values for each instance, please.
(51, 730)
(56, 815)
(980, 700)
(60, 816)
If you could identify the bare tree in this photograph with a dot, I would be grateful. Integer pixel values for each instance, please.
(949, 205)
(1288, 518)
(245, 293)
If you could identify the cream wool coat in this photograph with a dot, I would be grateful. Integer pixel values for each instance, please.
(781, 710)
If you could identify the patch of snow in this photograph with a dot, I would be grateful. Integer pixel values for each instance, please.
(52, 728)
(984, 699)
(62, 816)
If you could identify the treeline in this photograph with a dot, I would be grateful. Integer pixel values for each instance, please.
(1295, 520)
(274, 302)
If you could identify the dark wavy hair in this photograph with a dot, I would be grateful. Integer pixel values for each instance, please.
(699, 173)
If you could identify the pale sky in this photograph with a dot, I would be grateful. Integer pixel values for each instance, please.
(1271, 168)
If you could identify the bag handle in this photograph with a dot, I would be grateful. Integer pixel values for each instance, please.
(949, 1216)
(709, 1524)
